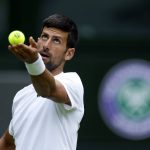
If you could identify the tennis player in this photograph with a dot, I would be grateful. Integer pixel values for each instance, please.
(46, 114)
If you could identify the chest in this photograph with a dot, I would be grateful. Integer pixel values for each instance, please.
(30, 111)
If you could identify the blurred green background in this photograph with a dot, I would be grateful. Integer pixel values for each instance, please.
(110, 31)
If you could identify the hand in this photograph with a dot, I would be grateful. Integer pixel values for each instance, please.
(24, 52)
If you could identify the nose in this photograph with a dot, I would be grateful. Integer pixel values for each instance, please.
(47, 44)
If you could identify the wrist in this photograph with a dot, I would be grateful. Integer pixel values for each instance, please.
(37, 67)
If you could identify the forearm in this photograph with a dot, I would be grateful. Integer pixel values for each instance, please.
(44, 84)
(43, 81)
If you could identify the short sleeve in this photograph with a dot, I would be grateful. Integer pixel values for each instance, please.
(74, 88)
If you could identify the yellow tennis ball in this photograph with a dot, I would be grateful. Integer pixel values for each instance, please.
(16, 37)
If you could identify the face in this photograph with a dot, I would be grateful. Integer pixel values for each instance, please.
(52, 46)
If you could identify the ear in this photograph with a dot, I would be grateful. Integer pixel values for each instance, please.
(69, 53)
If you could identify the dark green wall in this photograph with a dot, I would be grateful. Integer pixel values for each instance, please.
(117, 34)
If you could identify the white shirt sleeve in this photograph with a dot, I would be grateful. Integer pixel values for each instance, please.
(10, 128)
(73, 85)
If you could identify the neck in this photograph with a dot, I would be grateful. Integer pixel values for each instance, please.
(56, 72)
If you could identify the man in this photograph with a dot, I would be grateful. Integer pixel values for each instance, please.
(46, 115)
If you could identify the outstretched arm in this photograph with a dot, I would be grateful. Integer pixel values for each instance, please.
(44, 84)
(7, 142)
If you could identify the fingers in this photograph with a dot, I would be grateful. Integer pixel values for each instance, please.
(32, 42)
(19, 48)
(15, 51)
(21, 51)
(24, 52)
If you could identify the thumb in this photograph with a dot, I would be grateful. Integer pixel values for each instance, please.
(32, 42)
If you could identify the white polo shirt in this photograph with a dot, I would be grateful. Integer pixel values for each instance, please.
(41, 124)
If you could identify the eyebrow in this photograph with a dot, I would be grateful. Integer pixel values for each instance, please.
(55, 36)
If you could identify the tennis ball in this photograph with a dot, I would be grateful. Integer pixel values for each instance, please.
(16, 37)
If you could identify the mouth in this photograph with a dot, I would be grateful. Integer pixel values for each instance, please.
(44, 56)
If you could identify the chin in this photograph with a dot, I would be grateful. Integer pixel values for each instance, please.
(49, 66)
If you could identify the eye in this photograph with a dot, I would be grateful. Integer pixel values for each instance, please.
(57, 40)
(44, 37)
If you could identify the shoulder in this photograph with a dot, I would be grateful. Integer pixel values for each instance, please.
(70, 77)
(74, 88)
(25, 90)
(72, 83)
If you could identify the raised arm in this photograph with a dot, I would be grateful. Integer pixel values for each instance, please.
(7, 142)
(44, 83)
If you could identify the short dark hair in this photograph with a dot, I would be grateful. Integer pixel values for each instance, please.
(63, 23)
